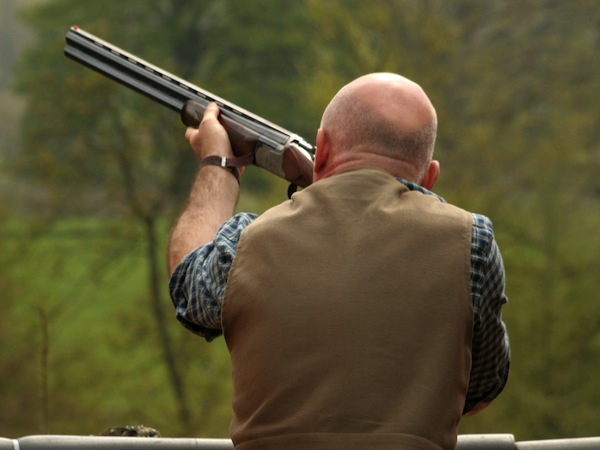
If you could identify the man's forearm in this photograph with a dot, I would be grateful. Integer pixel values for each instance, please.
(211, 202)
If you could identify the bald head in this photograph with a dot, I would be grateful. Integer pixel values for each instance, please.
(381, 119)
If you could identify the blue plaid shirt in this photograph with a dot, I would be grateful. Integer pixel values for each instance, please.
(198, 284)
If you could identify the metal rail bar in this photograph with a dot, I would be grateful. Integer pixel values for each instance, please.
(465, 442)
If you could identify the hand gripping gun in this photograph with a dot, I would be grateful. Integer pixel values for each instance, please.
(254, 140)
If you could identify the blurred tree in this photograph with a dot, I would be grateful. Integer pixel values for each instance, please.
(105, 152)
(98, 148)
(19, 351)
(531, 68)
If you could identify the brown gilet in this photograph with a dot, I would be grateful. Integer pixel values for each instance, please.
(348, 318)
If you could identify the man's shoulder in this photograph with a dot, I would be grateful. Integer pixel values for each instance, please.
(483, 225)
(482, 237)
(233, 227)
(480, 221)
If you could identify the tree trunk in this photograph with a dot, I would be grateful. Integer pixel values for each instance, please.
(176, 378)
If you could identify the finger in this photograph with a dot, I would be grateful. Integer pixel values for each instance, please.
(190, 132)
(211, 112)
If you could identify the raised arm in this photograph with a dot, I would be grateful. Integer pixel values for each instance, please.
(214, 191)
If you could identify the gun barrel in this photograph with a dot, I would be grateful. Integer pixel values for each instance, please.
(164, 87)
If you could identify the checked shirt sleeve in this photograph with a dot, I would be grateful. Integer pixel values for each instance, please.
(197, 285)
(491, 350)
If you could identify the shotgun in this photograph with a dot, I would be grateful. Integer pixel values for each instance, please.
(253, 138)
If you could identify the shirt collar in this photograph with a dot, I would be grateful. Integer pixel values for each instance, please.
(416, 187)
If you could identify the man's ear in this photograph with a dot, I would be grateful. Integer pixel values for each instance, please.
(431, 176)
(322, 152)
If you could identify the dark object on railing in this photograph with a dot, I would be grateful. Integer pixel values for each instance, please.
(131, 431)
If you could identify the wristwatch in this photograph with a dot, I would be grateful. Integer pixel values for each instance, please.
(230, 164)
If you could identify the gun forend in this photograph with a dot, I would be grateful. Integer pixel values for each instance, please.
(275, 149)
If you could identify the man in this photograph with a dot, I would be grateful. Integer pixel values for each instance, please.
(364, 312)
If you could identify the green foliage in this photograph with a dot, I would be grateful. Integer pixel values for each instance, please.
(104, 367)
(107, 152)
(513, 84)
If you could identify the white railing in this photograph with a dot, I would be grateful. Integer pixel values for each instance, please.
(465, 442)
